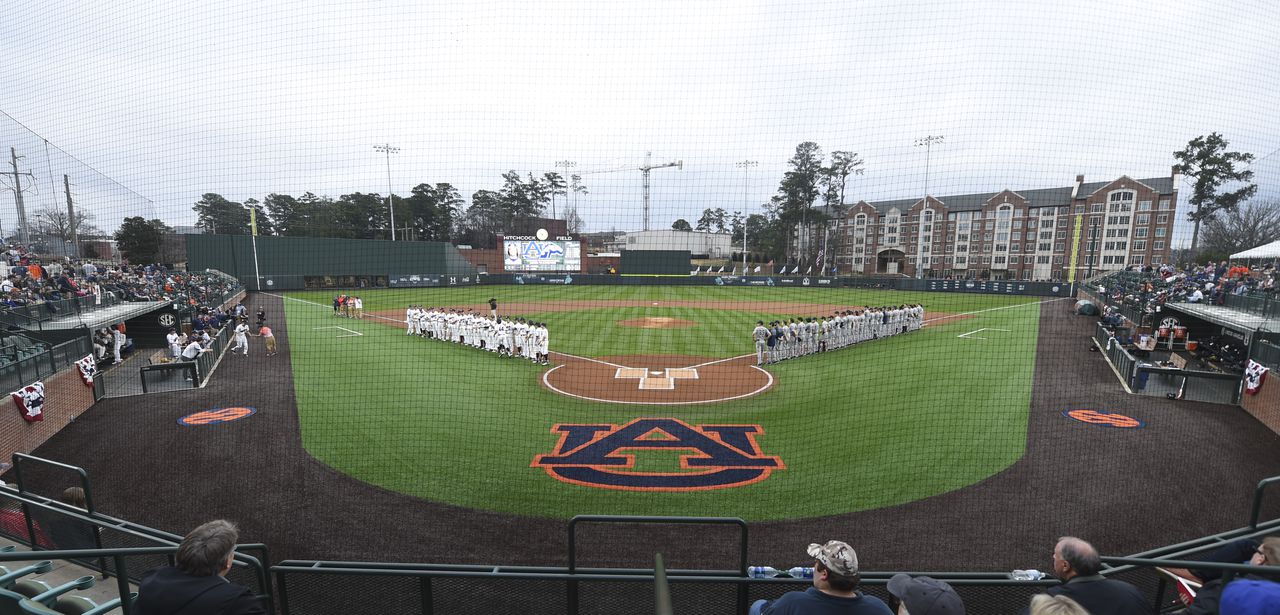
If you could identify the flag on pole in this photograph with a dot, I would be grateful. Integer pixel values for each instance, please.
(757, 269)
(808, 271)
(735, 270)
(721, 269)
(795, 270)
(821, 257)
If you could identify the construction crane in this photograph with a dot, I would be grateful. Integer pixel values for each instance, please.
(644, 171)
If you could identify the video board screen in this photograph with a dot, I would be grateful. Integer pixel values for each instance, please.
(533, 254)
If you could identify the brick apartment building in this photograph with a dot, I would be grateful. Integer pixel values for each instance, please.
(1008, 235)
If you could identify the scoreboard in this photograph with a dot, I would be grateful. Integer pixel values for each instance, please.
(541, 253)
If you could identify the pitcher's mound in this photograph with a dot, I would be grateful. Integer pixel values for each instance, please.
(657, 322)
(664, 380)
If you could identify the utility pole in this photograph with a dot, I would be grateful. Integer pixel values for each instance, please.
(71, 219)
(927, 142)
(24, 236)
(644, 170)
(567, 164)
(745, 165)
(389, 150)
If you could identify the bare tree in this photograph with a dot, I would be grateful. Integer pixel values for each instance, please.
(1250, 225)
(56, 222)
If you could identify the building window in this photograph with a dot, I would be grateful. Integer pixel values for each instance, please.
(991, 224)
(1000, 247)
(960, 260)
(1097, 208)
(1121, 195)
(1162, 218)
(1157, 246)
(1144, 219)
(1144, 205)
(947, 260)
(999, 260)
(1136, 259)
(986, 236)
(1002, 236)
(1160, 231)
(1141, 231)
(1042, 260)
(1044, 247)
(1140, 245)
(1058, 247)
(1017, 235)
(1062, 223)
(860, 220)
(1166, 204)
(1057, 260)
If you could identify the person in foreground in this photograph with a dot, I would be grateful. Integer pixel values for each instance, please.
(1077, 564)
(834, 591)
(924, 596)
(198, 584)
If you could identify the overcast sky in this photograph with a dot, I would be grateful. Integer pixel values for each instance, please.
(171, 100)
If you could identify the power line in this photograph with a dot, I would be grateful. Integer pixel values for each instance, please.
(71, 156)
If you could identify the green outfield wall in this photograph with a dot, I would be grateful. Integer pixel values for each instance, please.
(288, 263)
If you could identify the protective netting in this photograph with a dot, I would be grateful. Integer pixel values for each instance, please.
(811, 267)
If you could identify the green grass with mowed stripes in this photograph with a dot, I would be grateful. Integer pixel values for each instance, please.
(877, 424)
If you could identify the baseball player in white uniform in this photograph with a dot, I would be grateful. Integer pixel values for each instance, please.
(241, 339)
(761, 336)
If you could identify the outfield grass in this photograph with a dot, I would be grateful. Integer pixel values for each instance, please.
(882, 423)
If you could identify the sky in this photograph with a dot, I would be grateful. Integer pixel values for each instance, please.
(146, 106)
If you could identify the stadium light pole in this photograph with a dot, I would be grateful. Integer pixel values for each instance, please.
(566, 165)
(389, 150)
(927, 142)
(745, 165)
(253, 235)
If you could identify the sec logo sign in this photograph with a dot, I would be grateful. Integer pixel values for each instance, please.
(1105, 419)
(215, 416)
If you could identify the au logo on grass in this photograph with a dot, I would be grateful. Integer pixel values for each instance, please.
(1106, 419)
(218, 415)
(711, 456)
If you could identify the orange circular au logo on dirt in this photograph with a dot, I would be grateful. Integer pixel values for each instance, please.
(1106, 419)
(217, 415)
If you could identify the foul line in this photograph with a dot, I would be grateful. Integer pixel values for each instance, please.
(547, 382)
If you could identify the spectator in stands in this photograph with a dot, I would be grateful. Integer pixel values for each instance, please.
(924, 596)
(1251, 597)
(1077, 564)
(1266, 553)
(1044, 604)
(101, 342)
(198, 584)
(834, 591)
(68, 533)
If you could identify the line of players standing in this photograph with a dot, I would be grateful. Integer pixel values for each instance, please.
(797, 337)
(507, 338)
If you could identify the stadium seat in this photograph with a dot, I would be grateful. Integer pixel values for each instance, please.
(8, 579)
(72, 605)
(11, 601)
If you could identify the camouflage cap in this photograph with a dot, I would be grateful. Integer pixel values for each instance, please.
(837, 556)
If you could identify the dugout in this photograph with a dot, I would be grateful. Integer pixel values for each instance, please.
(291, 263)
(655, 262)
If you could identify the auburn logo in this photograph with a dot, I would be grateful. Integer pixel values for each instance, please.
(220, 415)
(711, 456)
(1106, 419)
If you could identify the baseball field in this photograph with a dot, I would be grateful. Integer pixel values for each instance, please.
(880, 423)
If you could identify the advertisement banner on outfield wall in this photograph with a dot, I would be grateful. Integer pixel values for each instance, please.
(1050, 289)
(420, 280)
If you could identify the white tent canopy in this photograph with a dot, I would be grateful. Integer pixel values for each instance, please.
(1271, 250)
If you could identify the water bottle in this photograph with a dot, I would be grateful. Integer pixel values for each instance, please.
(801, 572)
(1026, 575)
(762, 572)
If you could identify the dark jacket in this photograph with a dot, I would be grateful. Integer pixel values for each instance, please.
(1102, 596)
(169, 591)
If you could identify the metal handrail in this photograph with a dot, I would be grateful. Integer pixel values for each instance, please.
(573, 552)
